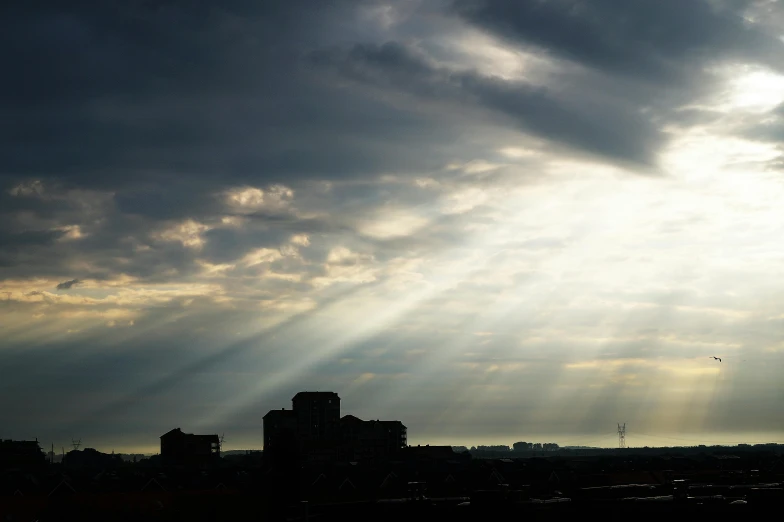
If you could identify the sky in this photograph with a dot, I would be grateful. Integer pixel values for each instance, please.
(493, 220)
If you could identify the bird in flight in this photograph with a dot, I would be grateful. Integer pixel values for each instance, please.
(717, 358)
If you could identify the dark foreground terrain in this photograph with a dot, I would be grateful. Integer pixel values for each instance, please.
(234, 508)
(724, 484)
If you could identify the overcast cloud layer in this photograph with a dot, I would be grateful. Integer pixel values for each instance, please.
(494, 220)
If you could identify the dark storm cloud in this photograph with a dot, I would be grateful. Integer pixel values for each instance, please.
(66, 285)
(14, 241)
(162, 106)
(614, 130)
(110, 96)
(165, 104)
(171, 199)
(654, 40)
(18, 247)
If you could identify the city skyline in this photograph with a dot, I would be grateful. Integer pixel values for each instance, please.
(607, 440)
(494, 220)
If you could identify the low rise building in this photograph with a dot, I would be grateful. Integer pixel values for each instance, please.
(187, 449)
(21, 454)
(371, 440)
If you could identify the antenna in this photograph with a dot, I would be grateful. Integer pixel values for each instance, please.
(220, 442)
(622, 435)
(76, 443)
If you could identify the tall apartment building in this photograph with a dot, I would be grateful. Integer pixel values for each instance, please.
(314, 427)
(279, 425)
(318, 415)
(314, 418)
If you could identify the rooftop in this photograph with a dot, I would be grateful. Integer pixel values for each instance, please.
(316, 395)
(279, 413)
(178, 432)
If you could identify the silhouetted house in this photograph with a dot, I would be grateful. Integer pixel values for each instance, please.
(372, 439)
(21, 454)
(279, 425)
(186, 449)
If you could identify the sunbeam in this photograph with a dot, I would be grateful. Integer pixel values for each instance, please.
(448, 212)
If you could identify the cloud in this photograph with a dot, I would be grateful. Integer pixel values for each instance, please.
(262, 197)
(197, 108)
(611, 130)
(651, 41)
(66, 285)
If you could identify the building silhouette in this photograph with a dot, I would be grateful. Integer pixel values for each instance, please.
(318, 415)
(314, 426)
(279, 426)
(367, 440)
(15, 454)
(187, 449)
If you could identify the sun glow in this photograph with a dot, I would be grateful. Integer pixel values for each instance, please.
(755, 90)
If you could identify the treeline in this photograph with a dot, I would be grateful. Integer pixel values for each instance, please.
(517, 447)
